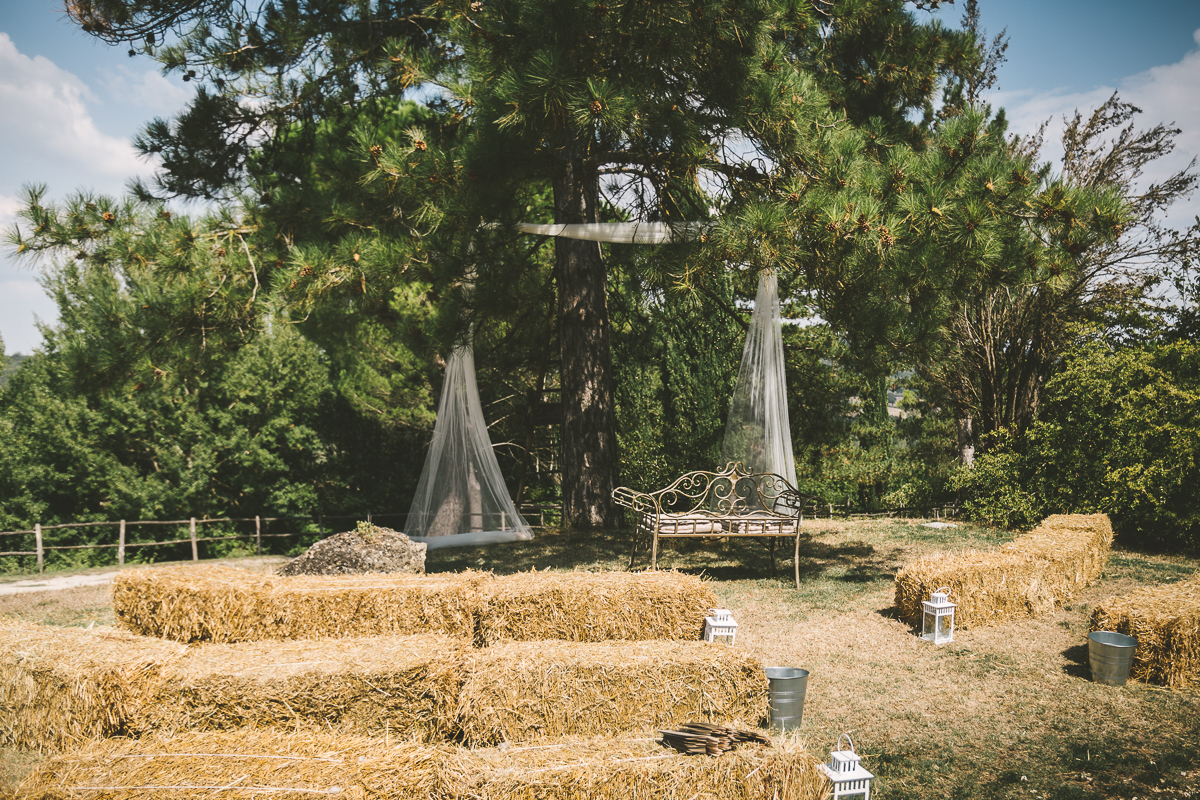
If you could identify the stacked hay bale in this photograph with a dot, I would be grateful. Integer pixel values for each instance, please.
(266, 763)
(1027, 577)
(593, 607)
(1165, 620)
(222, 604)
(518, 691)
(63, 686)
(401, 687)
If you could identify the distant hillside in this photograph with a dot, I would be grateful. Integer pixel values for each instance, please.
(11, 365)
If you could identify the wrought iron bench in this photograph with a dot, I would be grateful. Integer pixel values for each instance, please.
(729, 503)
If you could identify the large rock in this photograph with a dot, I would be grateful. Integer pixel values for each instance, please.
(368, 549)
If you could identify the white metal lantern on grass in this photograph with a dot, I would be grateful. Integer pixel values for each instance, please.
(719, 623)
(848, 776)
(937, 621)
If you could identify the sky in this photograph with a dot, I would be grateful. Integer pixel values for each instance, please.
(69, 105)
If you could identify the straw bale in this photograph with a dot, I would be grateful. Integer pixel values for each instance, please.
(223, 604)
(607, 769)
(245, 763)
(1028, 577)
(402, 686)
(517, 691)
(251, 763)
(62, 686)
(1165, 620)
(594, 606)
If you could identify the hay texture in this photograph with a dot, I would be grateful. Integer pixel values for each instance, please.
(607, 769)
(593, 606)
(1165, 620)
(244, 764)
(294, 767)
(223, 604)
(402, 687)
(1028, 577)
(62, 686)
(519, 691)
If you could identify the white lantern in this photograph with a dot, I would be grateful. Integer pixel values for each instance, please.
(848, 776)
(937, 621)
(719, 623)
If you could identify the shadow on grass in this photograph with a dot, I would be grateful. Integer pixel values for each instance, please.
(1079, 666)
(718, 559)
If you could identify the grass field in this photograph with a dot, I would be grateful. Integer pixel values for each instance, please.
(1002, 712)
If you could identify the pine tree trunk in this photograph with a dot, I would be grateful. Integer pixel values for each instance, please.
(589, 439)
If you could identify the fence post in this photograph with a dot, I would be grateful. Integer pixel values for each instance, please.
(195, 550)
(258, 534)
(321, 525)
(37, 535)
(121, 546)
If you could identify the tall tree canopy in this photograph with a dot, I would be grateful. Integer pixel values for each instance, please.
(790, 120)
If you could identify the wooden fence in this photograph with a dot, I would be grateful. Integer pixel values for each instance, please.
(529, 512)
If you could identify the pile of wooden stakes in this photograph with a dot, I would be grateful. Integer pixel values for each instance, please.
(706, 738)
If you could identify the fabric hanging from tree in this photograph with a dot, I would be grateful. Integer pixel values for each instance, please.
(461, 497)
(621, 232)
(758, 433)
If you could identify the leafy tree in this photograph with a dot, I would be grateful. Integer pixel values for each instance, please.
(543, 99)
(1116, 433)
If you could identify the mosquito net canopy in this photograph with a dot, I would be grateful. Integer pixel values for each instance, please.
(758, 433)
(461, 497)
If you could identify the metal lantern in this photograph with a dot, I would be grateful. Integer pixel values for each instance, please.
(719, 623)
(937, 621)
(848, 776)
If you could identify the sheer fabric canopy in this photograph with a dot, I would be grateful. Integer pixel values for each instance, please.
(461, 497)
(758, 432)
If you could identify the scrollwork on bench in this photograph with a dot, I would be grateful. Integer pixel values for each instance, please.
(730, 503)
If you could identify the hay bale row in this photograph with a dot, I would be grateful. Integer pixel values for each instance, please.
(223, 604)
(61, 686)
(1028, 577)
(518, 691)
(593, 607)
(268, 763)
(1166, 622)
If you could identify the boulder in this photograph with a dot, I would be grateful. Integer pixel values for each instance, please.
(368, 549)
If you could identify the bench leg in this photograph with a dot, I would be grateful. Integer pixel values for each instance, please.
(796, 556)
(654, 553)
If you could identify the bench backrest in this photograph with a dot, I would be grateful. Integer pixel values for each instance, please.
(729, 492)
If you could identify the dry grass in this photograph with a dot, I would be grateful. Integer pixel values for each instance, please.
(1165, 620)
(1028, 577)
(1004, 711)
(518, 691)
(594, 606)
(223, 604)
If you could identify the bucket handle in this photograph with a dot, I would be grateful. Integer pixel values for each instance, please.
(845, 736)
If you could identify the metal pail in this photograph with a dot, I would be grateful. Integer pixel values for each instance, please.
(786, 686)
(1110, 655)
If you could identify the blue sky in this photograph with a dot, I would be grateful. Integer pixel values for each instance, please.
(69, 104)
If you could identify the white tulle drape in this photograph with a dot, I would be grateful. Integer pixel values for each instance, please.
(621, 232)
(461, 497)
(758, 432)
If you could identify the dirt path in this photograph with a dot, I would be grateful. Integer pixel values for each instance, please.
(56, 582)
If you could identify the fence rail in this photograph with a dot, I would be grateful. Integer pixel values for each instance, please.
(528, 511)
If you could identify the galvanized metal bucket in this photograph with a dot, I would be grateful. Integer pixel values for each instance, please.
(786, 687)
(1110, 655)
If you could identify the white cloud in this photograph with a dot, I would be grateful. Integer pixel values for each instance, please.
(1168, 94)
(46, 120)
(22, 304)
(150, 91)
